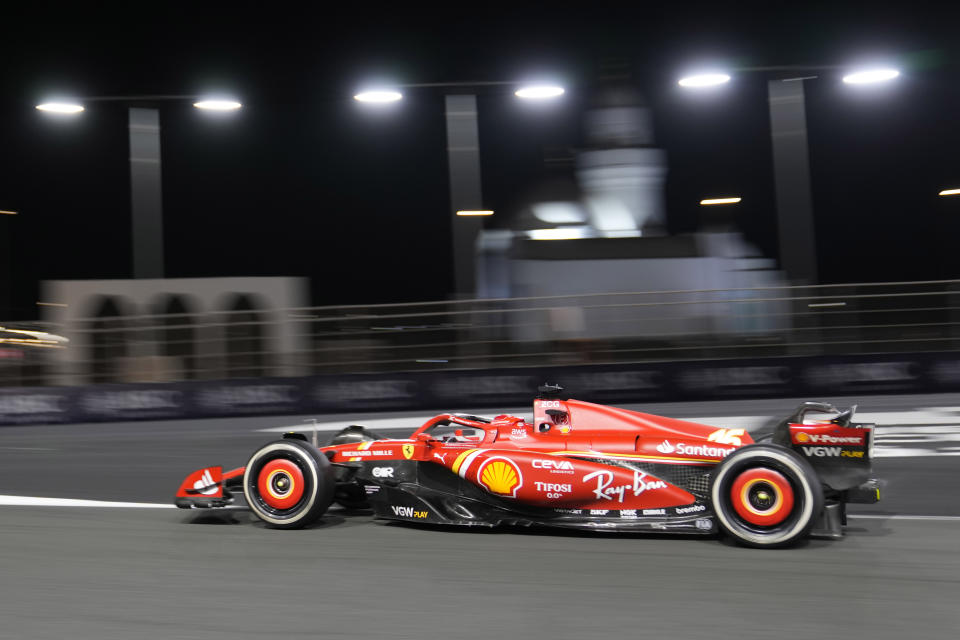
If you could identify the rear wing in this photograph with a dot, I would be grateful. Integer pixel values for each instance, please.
(839, 449)
(841, 417)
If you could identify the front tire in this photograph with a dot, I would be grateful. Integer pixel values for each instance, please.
(765, 495)
(288, 484)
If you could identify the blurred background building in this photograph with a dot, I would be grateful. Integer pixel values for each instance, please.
(164, 330)
(603, 231)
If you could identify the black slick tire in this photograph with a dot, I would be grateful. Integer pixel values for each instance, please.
(743, 522)
(302, 462)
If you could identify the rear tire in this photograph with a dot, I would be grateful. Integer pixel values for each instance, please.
(288, 484)
(765, 495)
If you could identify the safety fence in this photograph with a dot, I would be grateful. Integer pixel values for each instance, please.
(577, 330)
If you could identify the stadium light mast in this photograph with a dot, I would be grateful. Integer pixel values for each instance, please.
(146, 202)
(791, 162)
(463, 160)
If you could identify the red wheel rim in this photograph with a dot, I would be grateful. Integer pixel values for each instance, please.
(762, 497)
(280, 484)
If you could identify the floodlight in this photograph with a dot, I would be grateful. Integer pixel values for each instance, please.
(704, 80)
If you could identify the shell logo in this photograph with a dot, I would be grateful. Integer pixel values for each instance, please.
(500, 476)
(802, 437)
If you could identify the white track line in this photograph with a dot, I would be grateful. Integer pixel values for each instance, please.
(27, 501)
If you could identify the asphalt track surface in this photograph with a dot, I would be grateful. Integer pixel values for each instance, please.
(82, 572)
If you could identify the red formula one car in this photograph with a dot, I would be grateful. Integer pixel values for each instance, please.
(576, 465)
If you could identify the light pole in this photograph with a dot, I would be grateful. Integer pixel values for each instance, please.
(463, 162)
(146, 194)
(791, 163)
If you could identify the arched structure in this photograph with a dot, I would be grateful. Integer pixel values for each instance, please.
(244, 337)
(108, 339)
(176, 334)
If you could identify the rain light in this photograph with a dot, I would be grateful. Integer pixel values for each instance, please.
(704, 80)
(710, 201)
(539, 92)
(378, 96)
(869, 76)
(60, 107)
(218, 105)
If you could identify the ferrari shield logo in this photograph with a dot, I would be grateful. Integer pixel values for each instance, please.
(407, 451)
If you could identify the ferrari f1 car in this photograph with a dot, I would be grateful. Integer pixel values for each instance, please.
(575, 465)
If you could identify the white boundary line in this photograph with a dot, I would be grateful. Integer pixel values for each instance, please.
(28, 501)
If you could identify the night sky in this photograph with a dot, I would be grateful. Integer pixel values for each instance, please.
(304, 182)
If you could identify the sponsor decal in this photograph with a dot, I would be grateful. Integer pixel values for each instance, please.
(574, 512)
(500, 476)
(654, 512)
(27, 404)
(641, 484)
(488, 386)
(205, 484)
(630, 514)
(383, 472)
(441, 457)
(696, 450)
(367, 392)
(822, 452)
(666, 447)
(599, 512)
(371, 488)
(802, 437)
(518, 433)
(132, 401)
(364, 451)
(719, 378)
(727, 436)
(360, 453)
(831, 452)
(692, 509)
(554, 466)
(703, 450)
(550, 404)
(409, 512)
(620, 381)
(864, 374)
(702, 524)
(553, 489)
(407, 450)
(232, 396)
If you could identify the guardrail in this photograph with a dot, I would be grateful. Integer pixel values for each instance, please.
(605, 329)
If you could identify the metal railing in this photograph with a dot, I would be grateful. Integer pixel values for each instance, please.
(605, 328)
